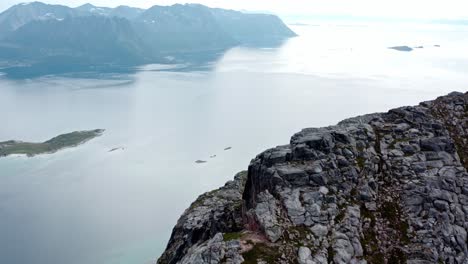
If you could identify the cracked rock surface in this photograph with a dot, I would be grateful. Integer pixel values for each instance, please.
(379, 188)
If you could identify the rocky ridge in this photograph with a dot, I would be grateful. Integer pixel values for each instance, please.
(380, 188)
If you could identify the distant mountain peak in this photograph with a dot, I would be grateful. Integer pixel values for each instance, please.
(86, 6)
(29, 3)
(34, 4)
(94, 9)
(126, 7)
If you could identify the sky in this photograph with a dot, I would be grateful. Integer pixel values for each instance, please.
(415, 9)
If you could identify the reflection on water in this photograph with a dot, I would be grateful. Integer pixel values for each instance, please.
(75, 67)
(89, 205)
(65, 68)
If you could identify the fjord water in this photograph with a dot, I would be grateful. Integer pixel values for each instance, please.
(88, 205)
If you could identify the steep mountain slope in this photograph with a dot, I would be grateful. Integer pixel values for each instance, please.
(252, 29)
(21, 14)
(126, 12)
(120, 11)
(380, 188)
(183, 28)
(94, 10)
(93, 38)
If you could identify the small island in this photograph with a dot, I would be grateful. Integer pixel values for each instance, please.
(402, 48)
(53, 145)
(115, 149)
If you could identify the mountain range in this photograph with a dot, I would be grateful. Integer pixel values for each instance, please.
(38, 35)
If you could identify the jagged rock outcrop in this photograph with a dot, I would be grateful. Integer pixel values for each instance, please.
(212, 213)
(380, 188)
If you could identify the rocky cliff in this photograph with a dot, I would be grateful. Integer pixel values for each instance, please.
(380, 188)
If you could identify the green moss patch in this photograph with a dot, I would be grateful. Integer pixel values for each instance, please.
(261, 252)
(369, 241)
(297, 235)
(232, 236)
(391, 211)
(361, 162)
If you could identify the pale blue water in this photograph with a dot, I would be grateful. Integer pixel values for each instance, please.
(90, 206)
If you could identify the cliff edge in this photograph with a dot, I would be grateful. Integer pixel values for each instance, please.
(380, 188)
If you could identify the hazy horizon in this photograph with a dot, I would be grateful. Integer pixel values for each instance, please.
(450, 9)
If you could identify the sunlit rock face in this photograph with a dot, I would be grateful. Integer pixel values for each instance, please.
(380, 188)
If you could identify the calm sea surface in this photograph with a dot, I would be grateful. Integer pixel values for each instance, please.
(87, 205)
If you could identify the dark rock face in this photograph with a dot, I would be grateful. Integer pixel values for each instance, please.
(214, 212)
(381, 188)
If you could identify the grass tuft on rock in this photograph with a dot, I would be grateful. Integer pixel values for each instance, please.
(232, 236)
(261, 252)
